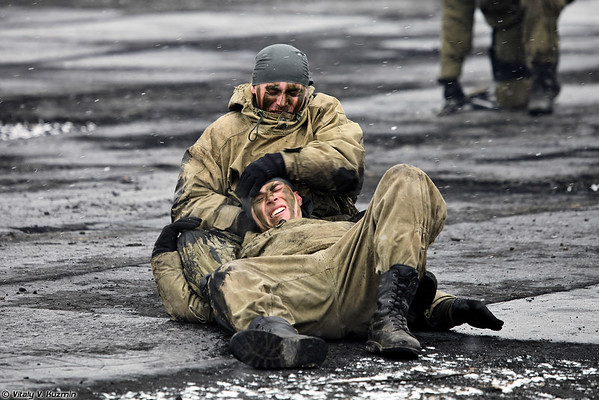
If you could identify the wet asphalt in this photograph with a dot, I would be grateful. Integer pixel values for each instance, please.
(98, 103)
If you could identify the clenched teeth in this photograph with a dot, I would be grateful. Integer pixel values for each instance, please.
(277, 211)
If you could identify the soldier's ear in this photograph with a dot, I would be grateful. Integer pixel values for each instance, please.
(299, 198)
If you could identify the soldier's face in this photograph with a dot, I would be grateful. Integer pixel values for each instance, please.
(275, 202)
(279, 97)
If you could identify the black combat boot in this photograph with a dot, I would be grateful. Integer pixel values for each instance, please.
(389, 331)
(544, 88)
(272, 343)
(425, 295)
(454, 96)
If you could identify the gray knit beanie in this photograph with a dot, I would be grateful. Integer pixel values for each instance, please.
(281, 63)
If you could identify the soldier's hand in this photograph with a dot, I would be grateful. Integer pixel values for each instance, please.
(258, 173)
(475, 313)
(167, 240)
(242, 224)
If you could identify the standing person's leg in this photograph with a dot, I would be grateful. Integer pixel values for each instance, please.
(456, 43)
(541, 40)
(508, 59)
(541, 35)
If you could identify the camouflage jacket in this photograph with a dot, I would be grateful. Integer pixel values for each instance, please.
(322, 149)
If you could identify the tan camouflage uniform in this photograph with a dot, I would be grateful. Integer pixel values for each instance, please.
(322, 276)
(316, 144)
(524, 32)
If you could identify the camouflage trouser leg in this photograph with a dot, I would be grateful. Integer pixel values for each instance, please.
(506, 18)
(541, 36)
(524, 32)
(203, 251)
(507, 52)
(456, 36)
(180, 301)
(332, 293)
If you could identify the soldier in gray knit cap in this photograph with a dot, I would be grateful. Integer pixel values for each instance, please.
(281, 63)
(277, 125)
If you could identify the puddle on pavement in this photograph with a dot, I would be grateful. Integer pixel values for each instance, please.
(32, 130)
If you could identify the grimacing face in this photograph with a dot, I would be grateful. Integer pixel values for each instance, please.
(274, 203)
(279, 97)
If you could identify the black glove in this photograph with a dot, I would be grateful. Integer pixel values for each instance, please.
(167, 241)
(258, 173)
(242, 224)
(475, 313)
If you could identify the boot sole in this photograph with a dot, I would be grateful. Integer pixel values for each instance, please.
(540, 106)
(398, 352)
(537, 112)
(266, 350)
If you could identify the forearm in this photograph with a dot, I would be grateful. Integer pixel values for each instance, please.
(333, 161)
(202, 192)
(215, 210)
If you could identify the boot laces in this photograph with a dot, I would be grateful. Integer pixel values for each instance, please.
(396, 317)
(398, 304)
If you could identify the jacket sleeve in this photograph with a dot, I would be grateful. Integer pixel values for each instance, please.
(180, 301)
(334, 160)
(438, 316)
(202, 191)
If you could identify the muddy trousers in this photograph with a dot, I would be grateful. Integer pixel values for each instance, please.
(178, 273)
(332, 293)
(524, 32)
